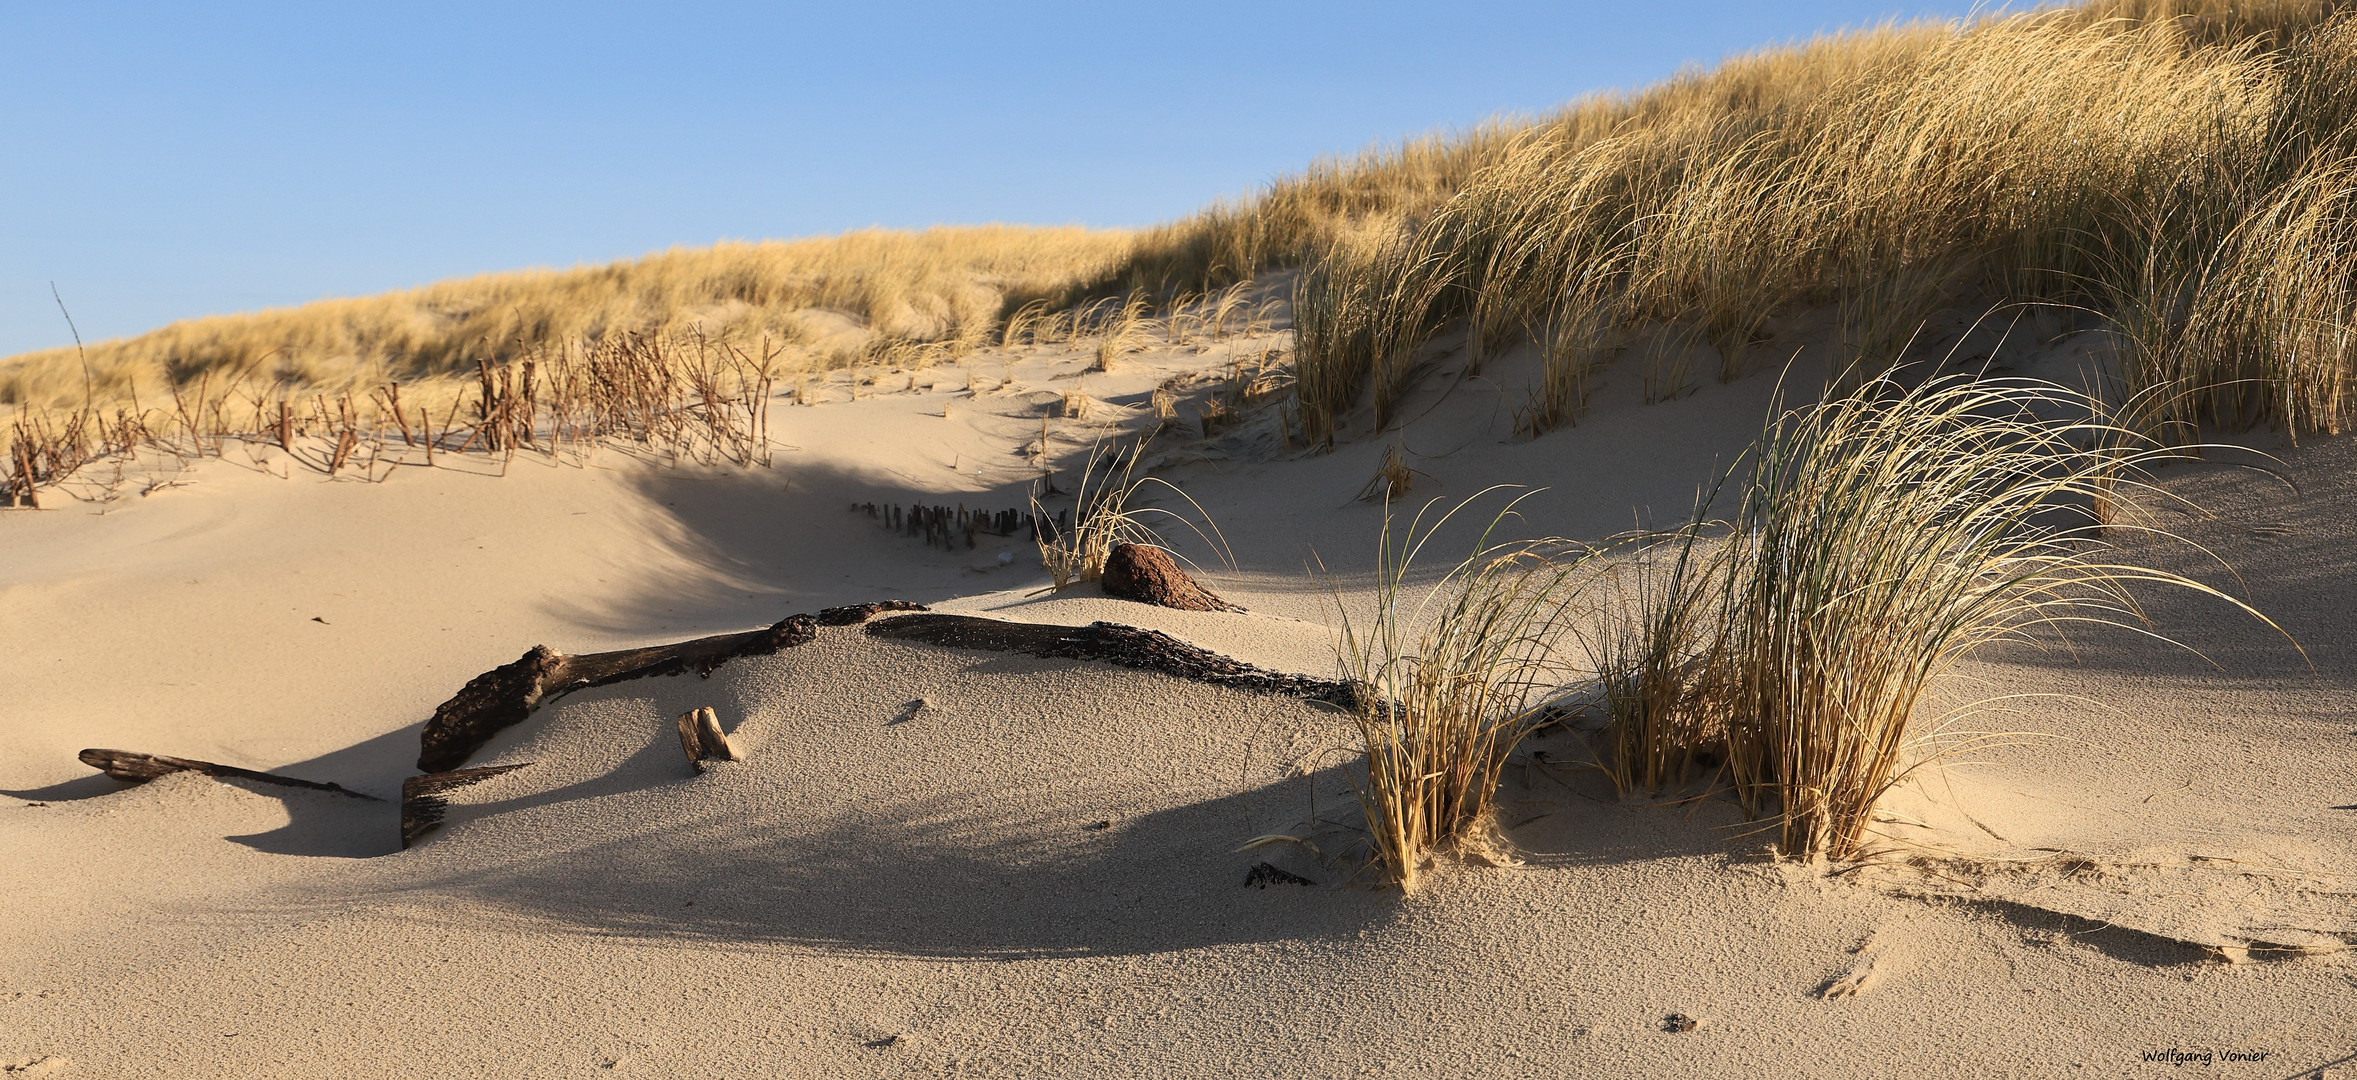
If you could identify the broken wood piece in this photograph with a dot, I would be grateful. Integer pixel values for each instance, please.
(716, 744)
(1111, 643)
(424, 798)
(140, 768)
(505, 695)
(691, 742)
(702, 740)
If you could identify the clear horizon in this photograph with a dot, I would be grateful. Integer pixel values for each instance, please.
(174, 164)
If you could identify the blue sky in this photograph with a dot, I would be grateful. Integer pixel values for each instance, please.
(171, 161)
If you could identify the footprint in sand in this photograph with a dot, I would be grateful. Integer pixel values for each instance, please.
(1862, 974)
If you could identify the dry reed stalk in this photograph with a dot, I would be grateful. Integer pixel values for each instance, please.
(392, 396)
(693, 398)
(1212, 416)
(1269, 376)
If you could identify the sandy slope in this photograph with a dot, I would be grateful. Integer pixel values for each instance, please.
(883, 889)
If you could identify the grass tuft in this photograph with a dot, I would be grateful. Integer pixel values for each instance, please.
(1880, 537)
(1107, 514)
(1448, 676)
(1123, 333)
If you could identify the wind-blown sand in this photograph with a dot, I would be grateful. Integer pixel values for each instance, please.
(886, 889)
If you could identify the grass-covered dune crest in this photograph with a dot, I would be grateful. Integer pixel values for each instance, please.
(2179, 168)
(832, 295)
(2181, 171)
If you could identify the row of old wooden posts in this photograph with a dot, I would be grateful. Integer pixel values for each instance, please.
(951, 527)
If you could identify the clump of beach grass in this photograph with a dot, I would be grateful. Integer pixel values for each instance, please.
(1122, 333)
(1660, 619)
(1107, 513)
(1393, 477)
(1448, 674)
(1881, 536)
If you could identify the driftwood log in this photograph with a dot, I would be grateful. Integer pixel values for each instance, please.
(854, 614)
(702, 740)
(505, 695)
(1110, 643)
(424, 799)
(139, 768)
(1151, 575)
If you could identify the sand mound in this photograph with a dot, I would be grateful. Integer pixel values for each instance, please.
(895, 797)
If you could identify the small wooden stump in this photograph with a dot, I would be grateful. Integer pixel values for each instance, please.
(424, 798)
(1149, 575)
(702, 740)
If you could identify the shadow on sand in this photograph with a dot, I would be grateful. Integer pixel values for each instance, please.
(319, 823)
(976, 875)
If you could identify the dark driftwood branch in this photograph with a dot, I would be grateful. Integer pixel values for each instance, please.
(505, 695)
(139, 768)
(423, 798)
(1110, 643)
(854, 614)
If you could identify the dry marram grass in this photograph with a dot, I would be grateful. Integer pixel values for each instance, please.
(1879, 537)
(1107, 513)
(899, 296)
(2096, 156)
(1447, 678)
(687, 399)
(2102, 157)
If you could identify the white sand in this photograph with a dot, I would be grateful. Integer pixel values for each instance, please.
(883, 891)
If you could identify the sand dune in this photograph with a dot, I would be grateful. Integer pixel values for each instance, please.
(936, 861)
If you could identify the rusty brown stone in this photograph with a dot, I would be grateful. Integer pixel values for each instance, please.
(1149, 575)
